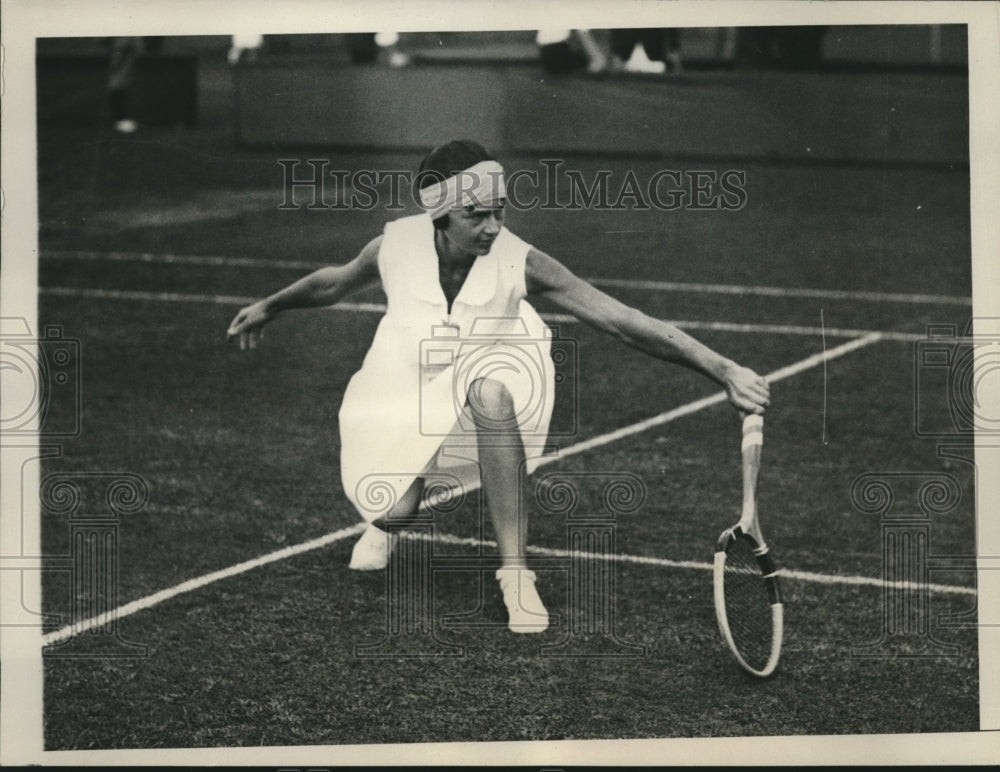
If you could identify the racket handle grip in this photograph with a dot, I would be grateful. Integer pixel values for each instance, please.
(753, 438)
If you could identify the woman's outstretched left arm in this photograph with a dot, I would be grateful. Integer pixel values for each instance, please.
(547, 277)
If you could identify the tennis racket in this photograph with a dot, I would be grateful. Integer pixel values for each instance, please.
(747, 596)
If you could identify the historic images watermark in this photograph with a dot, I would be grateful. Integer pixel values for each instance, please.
(955, 388)
(40, 375)
(590, 504)
(553, 186)
(94, 504)
(905, 503)
(42, 387)
(956, 374)
(537, 366)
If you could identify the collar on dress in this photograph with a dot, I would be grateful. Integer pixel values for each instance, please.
(480, 285)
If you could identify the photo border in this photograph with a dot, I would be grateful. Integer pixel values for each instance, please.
(25, 20)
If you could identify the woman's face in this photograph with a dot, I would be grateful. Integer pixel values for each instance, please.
(473, 230)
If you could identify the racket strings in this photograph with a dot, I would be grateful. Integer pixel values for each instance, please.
(748, 607)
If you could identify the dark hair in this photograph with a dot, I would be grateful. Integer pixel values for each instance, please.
(446, 161)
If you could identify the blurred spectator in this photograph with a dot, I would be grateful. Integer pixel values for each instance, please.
(245, 48)
(388, 49)
(672, 48)
(566, 50)
(144, 82)
(725, 44)
(124, 51)
(376, 47)
(647, 49)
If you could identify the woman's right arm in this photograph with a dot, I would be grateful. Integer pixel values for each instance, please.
(324, 287)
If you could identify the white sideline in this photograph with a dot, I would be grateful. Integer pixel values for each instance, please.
(237, 300)
(641, 284)
(670, 415)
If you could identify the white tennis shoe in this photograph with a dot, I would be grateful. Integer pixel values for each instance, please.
(525, 609)
(371, 551)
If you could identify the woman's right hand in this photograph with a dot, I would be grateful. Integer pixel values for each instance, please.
(748, 392)
(248, 324)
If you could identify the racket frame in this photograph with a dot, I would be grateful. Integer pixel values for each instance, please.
(770, 578)
(748, 528)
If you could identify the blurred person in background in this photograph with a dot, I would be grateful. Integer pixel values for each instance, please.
(648, 49)
(124, 53)
(244, 48)
(376, 48)
(567, 50)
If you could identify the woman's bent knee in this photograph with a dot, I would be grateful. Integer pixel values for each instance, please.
(491, 400)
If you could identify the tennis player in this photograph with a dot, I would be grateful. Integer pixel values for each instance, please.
(459, 375)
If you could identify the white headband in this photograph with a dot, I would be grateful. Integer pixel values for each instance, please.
(479, 185)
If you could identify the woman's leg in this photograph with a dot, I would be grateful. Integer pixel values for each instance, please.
(405, 508)
(501, 457)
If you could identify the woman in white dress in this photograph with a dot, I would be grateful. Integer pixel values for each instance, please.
(459, 374)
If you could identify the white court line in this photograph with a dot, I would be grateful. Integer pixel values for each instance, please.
(165, 297)
(784, 292)
(193, 584)
(189, 586)
(804, 576)
(160, 258)
(657, 286)
(701, 404)
(671, 415)
(237, 300)
(186, 297)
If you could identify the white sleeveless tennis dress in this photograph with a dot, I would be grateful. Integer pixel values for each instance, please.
(403, 414)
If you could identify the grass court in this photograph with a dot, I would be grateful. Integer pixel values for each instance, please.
(151, 242)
